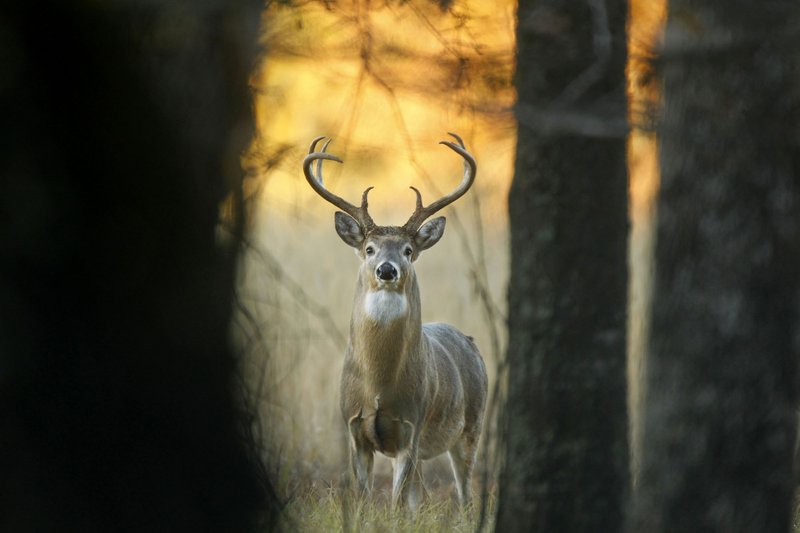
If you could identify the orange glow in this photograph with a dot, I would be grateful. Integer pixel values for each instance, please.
(387, 81)
(645, 30)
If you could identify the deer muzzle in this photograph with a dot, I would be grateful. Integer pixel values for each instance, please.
(387, 272)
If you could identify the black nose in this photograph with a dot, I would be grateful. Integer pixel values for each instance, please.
(386, 272)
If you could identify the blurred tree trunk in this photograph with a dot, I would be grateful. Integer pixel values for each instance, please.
(720, 401)
(566, 429)
(120, 404)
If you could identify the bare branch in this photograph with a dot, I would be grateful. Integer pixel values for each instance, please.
(555, 121)
(601, 40)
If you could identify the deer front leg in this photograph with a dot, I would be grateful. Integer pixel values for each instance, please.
(361, 462)
(404, 465)
(361, 455)
(407, 481)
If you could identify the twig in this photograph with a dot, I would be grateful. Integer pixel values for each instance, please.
(601, 40)
(301, 296)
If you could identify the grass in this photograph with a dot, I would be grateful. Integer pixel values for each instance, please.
(796, 512)
(330, 508)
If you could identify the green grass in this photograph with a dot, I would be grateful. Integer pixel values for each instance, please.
(333, 509)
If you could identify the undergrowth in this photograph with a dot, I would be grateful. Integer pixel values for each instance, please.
(324, 509)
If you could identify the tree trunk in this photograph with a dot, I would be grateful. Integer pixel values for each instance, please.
(120, 404)
(566, 427)
(720, 402)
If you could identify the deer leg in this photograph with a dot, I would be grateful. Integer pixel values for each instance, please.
(403, 464)
(361, 456)
(462, 459)
(407, 481)
(414, 491)
(361, 461)
(405, 467)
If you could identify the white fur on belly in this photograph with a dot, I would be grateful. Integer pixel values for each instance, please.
(385, 306)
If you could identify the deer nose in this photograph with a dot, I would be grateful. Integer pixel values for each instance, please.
(386, 272)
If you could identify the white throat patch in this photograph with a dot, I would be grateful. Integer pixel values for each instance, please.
(385, 306)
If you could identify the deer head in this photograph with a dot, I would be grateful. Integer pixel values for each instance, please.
(387, 251)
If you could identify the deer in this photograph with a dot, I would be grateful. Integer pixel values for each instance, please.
(408, 390)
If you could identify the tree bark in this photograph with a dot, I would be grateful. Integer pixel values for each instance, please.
(566, 463)
(720, 402)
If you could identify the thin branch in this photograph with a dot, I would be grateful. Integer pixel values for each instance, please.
(301, 296)
(552, 121)
(601, 41)
(256, 328)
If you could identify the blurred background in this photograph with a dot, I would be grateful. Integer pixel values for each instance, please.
(387, 81)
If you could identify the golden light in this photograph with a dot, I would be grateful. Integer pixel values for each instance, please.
(387, 81)
(644, 35)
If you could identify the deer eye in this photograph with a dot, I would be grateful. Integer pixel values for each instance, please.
(408, 251)
(369, 250)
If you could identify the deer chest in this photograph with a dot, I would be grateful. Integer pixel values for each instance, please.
(381, 430)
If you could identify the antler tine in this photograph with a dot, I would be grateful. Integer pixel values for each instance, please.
(422, 213)
(314, 144)
(419, 198)
(315, 180)
(456, 137)
(318, 174)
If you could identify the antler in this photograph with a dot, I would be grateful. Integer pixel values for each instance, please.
(359, 213)
(422, 213)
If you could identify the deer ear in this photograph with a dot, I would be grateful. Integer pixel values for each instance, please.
(429, 234)
(348, 229)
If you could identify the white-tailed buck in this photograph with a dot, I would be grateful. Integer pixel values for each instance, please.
(409, 390)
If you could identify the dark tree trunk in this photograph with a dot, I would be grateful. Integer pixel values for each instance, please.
(566, 430)
(720, 401)
(120, 407)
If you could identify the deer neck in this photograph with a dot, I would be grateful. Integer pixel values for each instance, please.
(386, 331)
